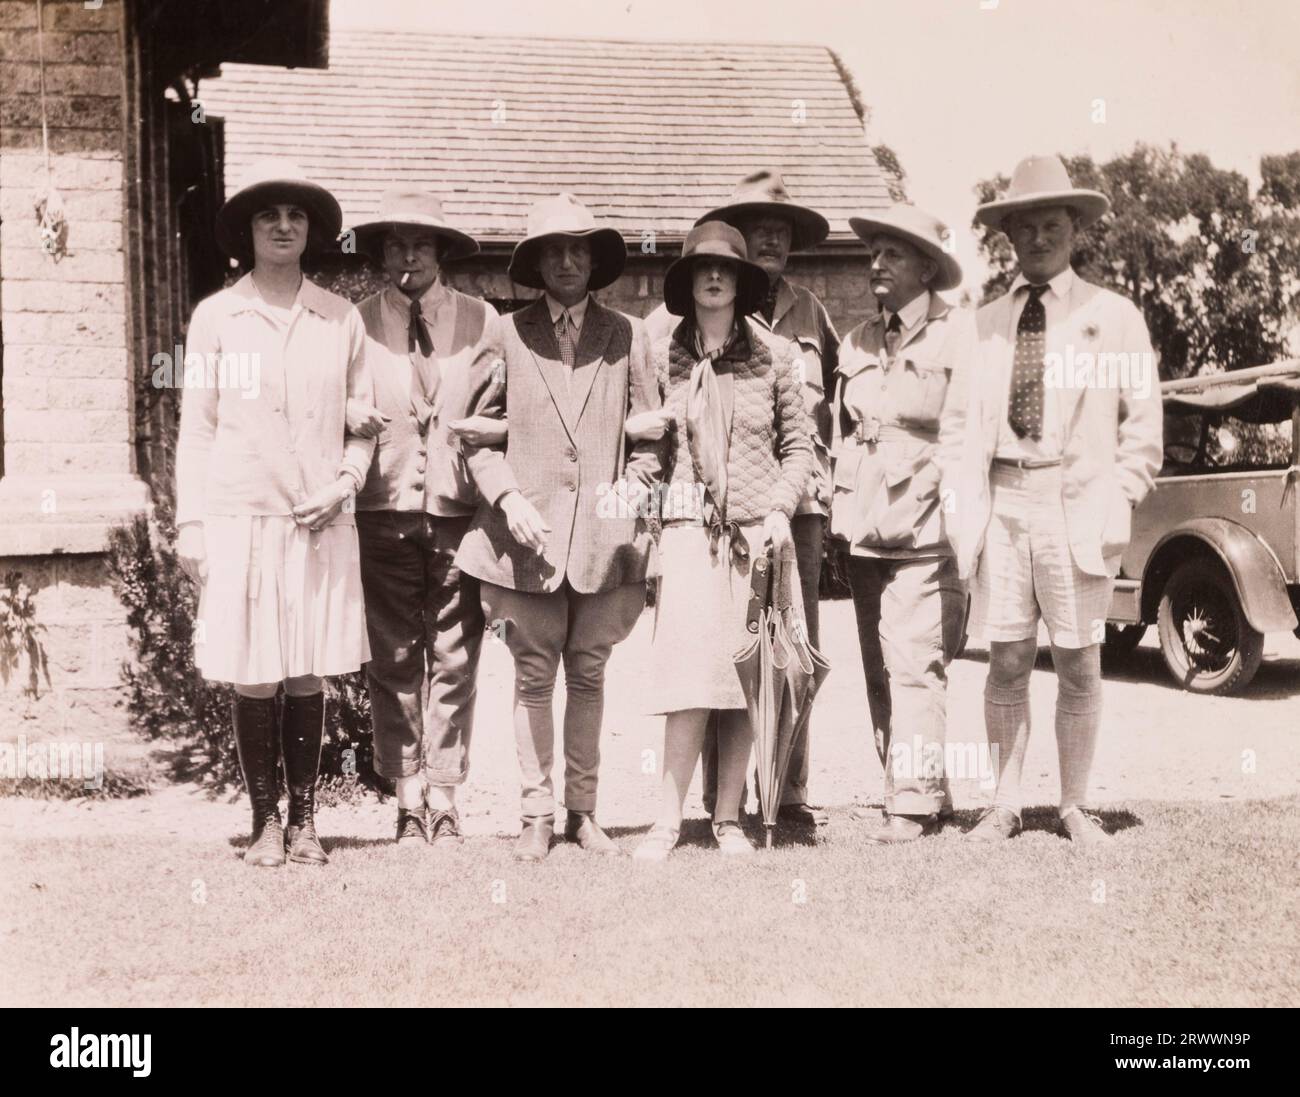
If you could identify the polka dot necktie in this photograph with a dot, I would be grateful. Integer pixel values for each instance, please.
(1026, 412)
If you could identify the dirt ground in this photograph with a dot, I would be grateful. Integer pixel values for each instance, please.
(1157, 743)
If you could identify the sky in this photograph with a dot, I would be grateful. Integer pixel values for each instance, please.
(963, 89)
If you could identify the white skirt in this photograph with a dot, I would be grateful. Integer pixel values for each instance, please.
(700, 608)
(279, 601)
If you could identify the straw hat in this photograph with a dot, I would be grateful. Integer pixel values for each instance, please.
(925, 233)
(564, 215)
(270, 183)
(413, 209)
(1040, 181)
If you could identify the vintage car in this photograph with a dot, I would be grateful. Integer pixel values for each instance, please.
(1214, 560)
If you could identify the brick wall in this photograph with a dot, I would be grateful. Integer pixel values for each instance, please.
(66, 371)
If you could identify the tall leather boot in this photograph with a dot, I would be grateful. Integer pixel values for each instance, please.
(302, 726)
(258, 746)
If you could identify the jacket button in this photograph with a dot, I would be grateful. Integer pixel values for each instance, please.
(572, 487)
(571, 454)
(419, 468)
(417, 484)
(421, 451)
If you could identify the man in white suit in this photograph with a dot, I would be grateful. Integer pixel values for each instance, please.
(1050, 437)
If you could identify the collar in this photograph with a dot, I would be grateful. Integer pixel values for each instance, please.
(431, 300)
(248, 299)
(1061, 284)
(577, 313)
(911, 314)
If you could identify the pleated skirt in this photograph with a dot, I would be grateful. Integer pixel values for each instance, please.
(279, 601)
(700, 610)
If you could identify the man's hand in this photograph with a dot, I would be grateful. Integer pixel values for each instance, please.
(648, 426)
(364, 420)
(191, 551)
(525, 524)
(479, 430)
(319, 508)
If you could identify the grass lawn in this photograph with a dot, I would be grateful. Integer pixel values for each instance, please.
(1195, 904)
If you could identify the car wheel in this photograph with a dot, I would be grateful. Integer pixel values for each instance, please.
(1208, 644)
(1121, 642)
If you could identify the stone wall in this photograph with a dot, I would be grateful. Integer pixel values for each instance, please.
(69, 468)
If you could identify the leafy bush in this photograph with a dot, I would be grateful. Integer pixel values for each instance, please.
(169, 700)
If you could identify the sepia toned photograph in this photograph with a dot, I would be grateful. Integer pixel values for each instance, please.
(650, 504)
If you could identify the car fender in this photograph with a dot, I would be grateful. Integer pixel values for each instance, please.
(1256, 574)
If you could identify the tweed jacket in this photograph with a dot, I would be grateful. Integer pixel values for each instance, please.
(565, 454)
(1112, 428)
(769, 460)
(260, 449)
(427, 472)
(802, 319)
(886, 416)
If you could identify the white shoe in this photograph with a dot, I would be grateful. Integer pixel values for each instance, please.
(657, 845)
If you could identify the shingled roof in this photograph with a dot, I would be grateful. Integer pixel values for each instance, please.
(649, 134)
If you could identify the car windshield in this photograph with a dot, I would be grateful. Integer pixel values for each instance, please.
(1216, 442)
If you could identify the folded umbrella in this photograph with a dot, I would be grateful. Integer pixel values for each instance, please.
(780, 673)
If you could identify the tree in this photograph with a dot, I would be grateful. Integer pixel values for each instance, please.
(1215, 271)
(895, 176)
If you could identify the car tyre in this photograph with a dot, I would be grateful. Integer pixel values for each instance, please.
(1207, 643)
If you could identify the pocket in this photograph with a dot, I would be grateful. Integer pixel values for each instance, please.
(844, 503)
(923, 383)
(1119, 524)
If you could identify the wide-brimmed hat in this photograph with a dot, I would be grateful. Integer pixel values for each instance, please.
(270, 183)
(714, 240)
(1040, 181)
(408, 208)
(924, 232)
(564, 215)
(763, 194)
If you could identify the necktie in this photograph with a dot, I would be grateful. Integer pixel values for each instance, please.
(769, 303)
(564, 336)
(1026, 411)
(418, 333)
(893, 335)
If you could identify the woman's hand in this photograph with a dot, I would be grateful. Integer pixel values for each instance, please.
(480, 430)
(319, 509)
(526, 525)
(364, 420)
(776, 528)
(648, 426)
(191, 551)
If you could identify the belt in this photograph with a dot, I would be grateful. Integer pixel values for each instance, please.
(1024, 463)
(871, 431)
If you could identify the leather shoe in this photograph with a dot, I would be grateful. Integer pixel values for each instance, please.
(411, 827)
(802, 815)
(444, 828)
(995, 825)
(581, 827)
(904, 828)
(1084, 829)
(534, 841)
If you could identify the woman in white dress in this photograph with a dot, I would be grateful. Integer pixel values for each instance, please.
(265, 476)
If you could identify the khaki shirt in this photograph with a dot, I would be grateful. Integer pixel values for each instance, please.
(885, 479)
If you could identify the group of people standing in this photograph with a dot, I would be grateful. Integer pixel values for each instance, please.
(419, 471)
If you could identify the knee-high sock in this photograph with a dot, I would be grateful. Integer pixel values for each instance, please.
(1006, 719)
(1078, 718)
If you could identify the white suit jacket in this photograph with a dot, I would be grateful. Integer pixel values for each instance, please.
(1110, 417)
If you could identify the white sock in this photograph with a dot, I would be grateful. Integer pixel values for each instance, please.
(410, 792)
(440, 797)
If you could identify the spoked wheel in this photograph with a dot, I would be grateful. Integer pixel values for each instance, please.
(1208, 644)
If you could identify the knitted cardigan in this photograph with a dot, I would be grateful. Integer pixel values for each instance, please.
(770, 457)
